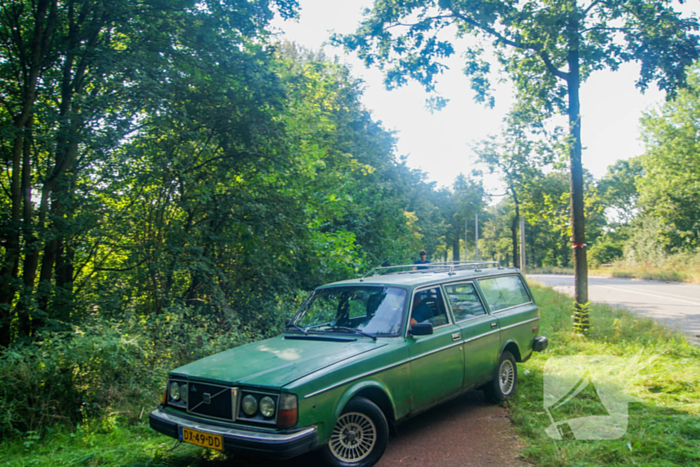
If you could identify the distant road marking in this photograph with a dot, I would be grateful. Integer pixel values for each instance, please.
(665, 293)
(649, 294)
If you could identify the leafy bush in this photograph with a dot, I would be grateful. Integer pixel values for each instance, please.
(646, 245)
(605, 251)
(115, 365)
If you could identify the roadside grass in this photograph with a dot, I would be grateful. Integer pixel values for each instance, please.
(653, 274)
(108, 442)
(550, 270)
(663, 426)
(668, 273)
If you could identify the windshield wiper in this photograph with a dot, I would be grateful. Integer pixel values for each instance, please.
(296, 326)
(308, 328)
(356, 331)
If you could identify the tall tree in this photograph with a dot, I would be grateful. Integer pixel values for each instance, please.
(519, 159)
(548, 47)
(618, 188)
(669, 190)
(75, 76)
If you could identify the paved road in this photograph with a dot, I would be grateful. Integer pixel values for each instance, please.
(672, 303)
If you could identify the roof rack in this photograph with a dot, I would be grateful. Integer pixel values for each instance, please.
(447, 266)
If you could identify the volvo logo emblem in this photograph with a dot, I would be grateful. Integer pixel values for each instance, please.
(207, 398)
(193, 388)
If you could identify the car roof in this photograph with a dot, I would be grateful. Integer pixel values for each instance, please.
(418, 278)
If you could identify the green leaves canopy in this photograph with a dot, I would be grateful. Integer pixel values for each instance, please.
(669, 191)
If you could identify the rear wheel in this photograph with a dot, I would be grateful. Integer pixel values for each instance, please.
(359, 436)
(503, 384)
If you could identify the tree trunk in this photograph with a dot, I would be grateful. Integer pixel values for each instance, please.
(514, 240)
(455, 246)
(514, 228)
(31, 242)
(578, 235)
(32, 63)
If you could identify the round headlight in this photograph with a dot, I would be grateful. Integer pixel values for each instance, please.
(174, 391)
(249, 405)
(183, 392)
(267, 407)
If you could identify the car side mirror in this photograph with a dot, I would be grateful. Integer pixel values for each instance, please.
(287, 322)
(422, 329)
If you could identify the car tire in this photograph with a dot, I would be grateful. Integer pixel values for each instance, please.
(502, 387)
(359, 437)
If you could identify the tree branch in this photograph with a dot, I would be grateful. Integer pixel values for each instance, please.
(600, 28)
(590, 7)
(517, 44)
(550, 66)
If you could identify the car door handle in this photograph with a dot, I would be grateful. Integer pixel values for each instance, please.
(455, 336)
(493, 325)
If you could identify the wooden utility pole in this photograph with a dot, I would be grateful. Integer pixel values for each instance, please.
(522, 243)
(476, 237)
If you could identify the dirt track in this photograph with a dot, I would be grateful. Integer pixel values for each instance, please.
(466, 432)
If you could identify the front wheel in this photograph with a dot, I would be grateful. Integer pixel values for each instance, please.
(503, 384)
(359, 437)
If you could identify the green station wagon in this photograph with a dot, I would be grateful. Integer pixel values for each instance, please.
(357, 356)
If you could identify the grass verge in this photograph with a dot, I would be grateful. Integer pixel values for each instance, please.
(111, 441)
(663, 426)
(666, 275)
(645, 273)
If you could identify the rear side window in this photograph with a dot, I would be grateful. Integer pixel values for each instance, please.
(464, 301)
(504, 292)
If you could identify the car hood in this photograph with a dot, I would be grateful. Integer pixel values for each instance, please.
(274, 363)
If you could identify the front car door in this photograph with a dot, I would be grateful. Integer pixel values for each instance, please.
(437, 360)
(479, 332)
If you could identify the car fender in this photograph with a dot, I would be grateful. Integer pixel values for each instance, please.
(511, 342)
(360, 386)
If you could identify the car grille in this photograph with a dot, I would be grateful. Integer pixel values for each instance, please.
(211, 400)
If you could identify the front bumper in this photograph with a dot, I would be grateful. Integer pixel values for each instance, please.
(255, 443)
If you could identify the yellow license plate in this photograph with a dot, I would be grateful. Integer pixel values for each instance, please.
(200, 438)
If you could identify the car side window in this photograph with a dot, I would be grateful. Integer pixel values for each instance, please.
(464, 301)
(428, 307)
(504, 292)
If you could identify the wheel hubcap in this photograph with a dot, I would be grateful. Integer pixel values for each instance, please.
(506, 377)
(353, 438)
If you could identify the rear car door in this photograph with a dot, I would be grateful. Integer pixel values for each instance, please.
(509, 299)
(479, 332)
(437, 360)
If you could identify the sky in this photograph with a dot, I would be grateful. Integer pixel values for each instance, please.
(440, 143)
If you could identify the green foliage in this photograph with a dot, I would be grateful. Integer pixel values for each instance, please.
(670, 188)
(605, 251)
(618, 188)
(582, 318)
(532, 37)
(646, 245)
(103, 366)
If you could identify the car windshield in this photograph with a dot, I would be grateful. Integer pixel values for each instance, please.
(363, 309)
